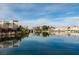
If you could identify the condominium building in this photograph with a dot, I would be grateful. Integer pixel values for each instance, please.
(9, 24)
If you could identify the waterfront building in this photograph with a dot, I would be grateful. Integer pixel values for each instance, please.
(66, 29)
(9, 25)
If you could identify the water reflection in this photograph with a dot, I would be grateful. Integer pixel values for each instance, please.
(40, 43)
(12, 41)
(64, 34)
(9, 42)
(46, 34)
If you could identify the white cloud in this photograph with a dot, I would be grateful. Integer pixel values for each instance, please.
(39, 22)
(67, 21)
(6, 11)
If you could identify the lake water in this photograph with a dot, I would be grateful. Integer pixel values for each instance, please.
(41, 44)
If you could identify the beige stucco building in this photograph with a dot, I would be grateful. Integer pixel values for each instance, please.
(9, 24)
(67, 28)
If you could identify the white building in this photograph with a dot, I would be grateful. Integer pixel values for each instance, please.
(67, 28)
(9, 24)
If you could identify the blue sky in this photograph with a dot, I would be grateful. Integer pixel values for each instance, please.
(39, 14)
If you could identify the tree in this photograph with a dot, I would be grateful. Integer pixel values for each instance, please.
(37, 29)
(52, 27)
(45, 27)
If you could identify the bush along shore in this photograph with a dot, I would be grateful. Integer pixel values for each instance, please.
(18, 31)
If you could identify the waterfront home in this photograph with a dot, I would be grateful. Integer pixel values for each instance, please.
(66, 29)
(70, 28)
(56, 29)
(73, 28)
(36, 29)
(9, 25)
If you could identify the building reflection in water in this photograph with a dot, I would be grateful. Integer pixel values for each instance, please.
(12, 41)
(9, 42)
(46, 34)
(64, 34)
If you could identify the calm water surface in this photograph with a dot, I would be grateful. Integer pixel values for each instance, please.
(38, 44)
